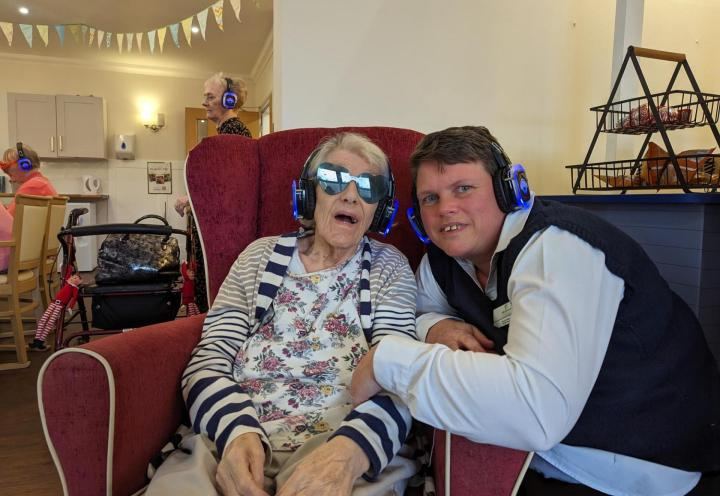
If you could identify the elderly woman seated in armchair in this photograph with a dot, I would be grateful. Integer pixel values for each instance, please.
(267, 386)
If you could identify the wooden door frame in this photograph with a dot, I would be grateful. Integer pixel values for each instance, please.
(251, 118)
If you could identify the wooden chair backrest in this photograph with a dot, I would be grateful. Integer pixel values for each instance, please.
(56, 218)
(29, 226)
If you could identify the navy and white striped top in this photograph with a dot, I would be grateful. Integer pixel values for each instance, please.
(217, 404)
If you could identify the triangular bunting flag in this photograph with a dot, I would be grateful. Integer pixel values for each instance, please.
(7, 29)
(27, 32)
(151, 41)
(92, 36)
(120, 37)
(236, 7)
(129, 37)
(75, 32)
(139, 37)
(43, 32)
(60, 28)
(202, 21)
(174, 33)
(187, 29)
(101, 36)
(218, 11)
(108, 40)
(161, 37)
(84, 30)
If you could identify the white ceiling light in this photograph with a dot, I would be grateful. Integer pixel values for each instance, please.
(195, 29)
(24, 10)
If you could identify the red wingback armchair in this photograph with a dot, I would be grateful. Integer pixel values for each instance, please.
(110, 405)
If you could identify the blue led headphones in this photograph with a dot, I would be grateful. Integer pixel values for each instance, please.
(303, 198)
(510, 184)
(24, 163)
(229, 97)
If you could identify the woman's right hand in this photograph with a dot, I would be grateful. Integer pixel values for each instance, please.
(241, 470)
(181, 204)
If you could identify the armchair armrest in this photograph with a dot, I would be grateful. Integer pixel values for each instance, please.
(109, 406)
(464, 468)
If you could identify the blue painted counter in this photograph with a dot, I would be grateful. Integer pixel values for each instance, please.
(679, 199)
(681, 233)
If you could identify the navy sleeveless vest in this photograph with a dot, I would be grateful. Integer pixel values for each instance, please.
(657, 396)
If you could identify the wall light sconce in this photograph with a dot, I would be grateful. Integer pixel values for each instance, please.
(155, 122)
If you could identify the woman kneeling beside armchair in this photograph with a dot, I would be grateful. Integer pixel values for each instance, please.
(267, 386)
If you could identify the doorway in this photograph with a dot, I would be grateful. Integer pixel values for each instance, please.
(197, 126)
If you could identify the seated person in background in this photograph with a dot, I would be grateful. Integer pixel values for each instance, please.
(594, 362)
(267, 387)
(22, 165)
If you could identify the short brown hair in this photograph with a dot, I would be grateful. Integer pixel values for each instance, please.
(455, 145)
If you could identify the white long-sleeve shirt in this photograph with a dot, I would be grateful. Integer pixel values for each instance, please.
(564, 304)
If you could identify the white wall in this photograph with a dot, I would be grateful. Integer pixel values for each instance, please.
(262, 73)
(689, 27)
(527, 69)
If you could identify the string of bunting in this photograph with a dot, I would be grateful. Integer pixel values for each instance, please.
(90, 36)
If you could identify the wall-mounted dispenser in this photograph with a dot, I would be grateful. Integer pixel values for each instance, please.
(124, 146)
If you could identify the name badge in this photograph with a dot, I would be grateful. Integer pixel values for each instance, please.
(501, 315)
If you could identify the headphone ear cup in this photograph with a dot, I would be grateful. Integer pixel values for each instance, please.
(229, 100)
(413, 215)
(385, 216)
(25, 164)
(376, 224)
(309, 187)
(501, 195)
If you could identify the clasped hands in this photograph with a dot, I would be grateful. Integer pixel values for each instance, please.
(454, 334)
(333, 468)
(330, 470)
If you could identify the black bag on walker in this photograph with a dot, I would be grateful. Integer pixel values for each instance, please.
(137, 258)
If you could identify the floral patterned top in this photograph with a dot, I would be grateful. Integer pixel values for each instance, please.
(234, 126)
(223, 409)
(297, 367)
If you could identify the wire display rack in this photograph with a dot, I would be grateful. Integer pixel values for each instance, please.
(691, 171)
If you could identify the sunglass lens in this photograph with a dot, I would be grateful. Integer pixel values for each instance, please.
(333, 179)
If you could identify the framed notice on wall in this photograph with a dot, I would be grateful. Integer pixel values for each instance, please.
(159, 177)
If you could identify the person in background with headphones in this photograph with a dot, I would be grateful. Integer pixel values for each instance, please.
(267, 387)
(22, 164)
(547, 330)
(222, 96)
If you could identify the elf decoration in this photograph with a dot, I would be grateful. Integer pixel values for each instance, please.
(65, 298)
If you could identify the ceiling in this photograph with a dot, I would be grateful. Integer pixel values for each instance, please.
(234, 50)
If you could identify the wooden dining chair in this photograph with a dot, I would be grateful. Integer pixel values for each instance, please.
(18, 284)
(49, 278)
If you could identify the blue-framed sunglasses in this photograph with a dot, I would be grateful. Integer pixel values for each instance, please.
(333, 179)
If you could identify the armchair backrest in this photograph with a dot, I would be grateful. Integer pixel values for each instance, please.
(240, 189)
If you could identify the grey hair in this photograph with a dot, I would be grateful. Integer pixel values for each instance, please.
(237, 86)
(355, 143)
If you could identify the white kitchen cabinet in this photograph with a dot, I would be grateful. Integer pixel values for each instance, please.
(58, 126)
